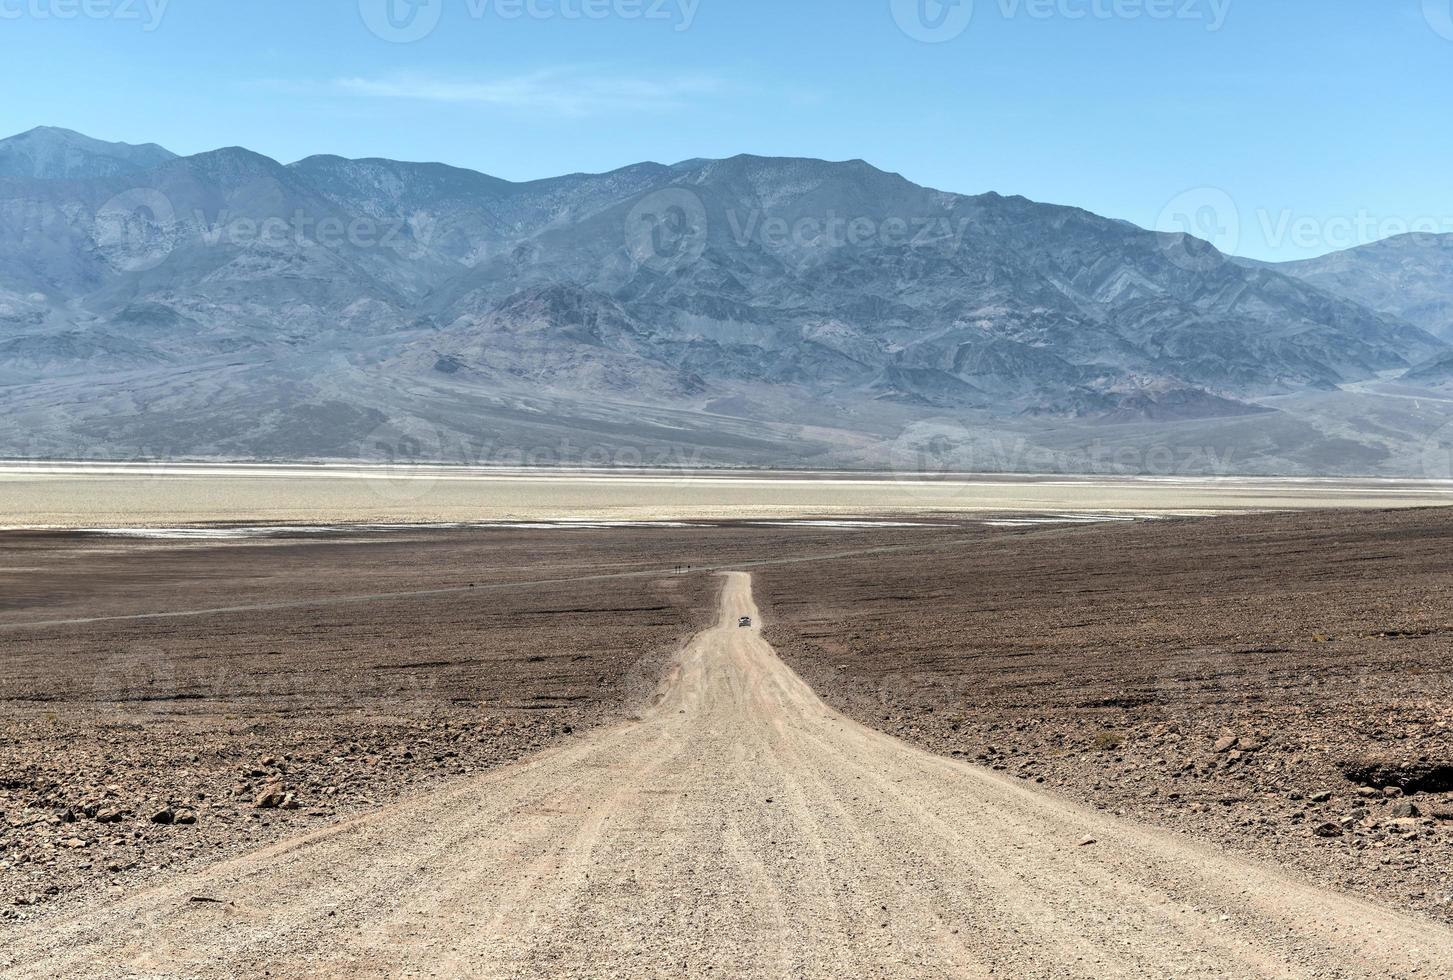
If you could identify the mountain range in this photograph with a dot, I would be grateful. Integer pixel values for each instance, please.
(747, 311)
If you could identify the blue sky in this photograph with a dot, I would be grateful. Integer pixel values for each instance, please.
(1279, 128)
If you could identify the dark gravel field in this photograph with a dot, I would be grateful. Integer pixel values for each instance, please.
(1281, 685)
(311, 677)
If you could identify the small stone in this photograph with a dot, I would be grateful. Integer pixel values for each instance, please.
(164, 817)
(1392, 792)
(1226, 743)
(1088, 841)
(1328, 830)
(1321, 797)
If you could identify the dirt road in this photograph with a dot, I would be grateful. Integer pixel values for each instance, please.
(741, 828)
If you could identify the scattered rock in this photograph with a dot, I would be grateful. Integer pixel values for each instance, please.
(1404, 808)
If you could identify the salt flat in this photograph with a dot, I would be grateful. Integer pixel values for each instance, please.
(71, 495)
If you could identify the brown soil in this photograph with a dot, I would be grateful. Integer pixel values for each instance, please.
(1280, 685)
(738, 827)
(1105, 662)
(378, 665)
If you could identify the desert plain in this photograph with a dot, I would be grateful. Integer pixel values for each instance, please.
(949, 743)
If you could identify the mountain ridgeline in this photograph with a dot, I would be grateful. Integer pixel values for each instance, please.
(747, 311)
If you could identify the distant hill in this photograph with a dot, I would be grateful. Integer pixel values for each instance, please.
(47, 153)
(1409, 276)
(743, 311)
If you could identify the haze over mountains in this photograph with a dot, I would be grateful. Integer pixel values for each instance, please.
(749, 311)
(1408, 276)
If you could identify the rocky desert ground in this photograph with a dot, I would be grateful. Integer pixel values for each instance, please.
(342, 672)
(736, 826)
(1276, 685)
(1280, 685)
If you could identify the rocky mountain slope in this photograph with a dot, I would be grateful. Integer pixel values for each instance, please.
(52, 154)
(1409, 277)
(227, 304)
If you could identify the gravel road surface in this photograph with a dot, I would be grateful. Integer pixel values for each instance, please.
(739, 828)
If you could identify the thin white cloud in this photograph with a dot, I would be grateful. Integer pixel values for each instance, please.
(567, 92)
